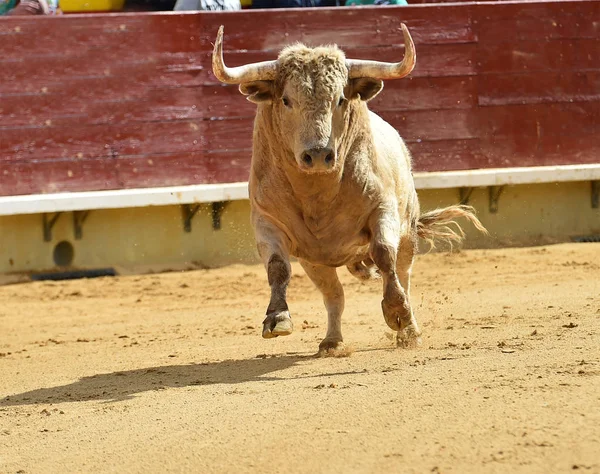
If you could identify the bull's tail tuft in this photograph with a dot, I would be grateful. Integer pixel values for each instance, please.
(365, 270)
(440, 224)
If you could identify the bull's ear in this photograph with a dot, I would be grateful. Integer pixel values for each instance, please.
(363, 88)
(258, 91)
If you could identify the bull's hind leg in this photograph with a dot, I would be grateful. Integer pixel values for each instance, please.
(328, 283)
(276, 259)
(409, 336)
(385, 243)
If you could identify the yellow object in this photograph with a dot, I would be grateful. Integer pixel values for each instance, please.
(246, 3)
(91, 5)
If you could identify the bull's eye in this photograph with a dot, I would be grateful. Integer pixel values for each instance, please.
(286, 101)
(341, 101)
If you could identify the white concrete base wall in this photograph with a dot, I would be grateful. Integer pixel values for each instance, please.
(152, 238)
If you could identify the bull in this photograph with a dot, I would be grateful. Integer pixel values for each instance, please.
(331, 182)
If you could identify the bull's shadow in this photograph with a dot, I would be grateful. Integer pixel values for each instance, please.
(118, 386)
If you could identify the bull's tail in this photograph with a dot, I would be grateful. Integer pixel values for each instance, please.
(365, 270)
(440, 224)
(431, 226)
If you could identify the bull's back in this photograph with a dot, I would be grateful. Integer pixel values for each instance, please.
(390, 146)
(394, 165)
(392, 155)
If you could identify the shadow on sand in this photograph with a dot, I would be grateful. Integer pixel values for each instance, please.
(118, 386)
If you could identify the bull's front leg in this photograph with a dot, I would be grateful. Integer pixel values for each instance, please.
(386, 229)
(328, 283)
(273, 251)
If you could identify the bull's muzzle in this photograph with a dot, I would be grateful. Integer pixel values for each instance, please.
(317, 159)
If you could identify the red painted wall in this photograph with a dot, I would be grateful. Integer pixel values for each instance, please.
(91, 102)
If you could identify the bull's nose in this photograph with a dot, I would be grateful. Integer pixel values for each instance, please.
(318, 158)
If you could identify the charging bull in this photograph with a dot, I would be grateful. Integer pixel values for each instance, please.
(331, 182)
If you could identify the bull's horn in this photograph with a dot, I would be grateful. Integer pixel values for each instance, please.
(263, 71)
(380, 70)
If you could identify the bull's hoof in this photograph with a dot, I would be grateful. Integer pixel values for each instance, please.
(409, 337)
(397, 316)
(333, 348)
(329, 344)
(277, 324)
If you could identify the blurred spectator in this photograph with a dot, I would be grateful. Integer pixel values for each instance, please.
(354, 3)
(6, 6)
(295, 3)
(212, 5)
(25, 7)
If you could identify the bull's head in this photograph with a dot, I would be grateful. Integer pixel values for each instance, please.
(309, 91)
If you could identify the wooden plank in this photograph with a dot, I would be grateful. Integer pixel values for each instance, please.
(545, 55)
(548, 150)
(113, 49)
(88, 141)
(558, 120)
(426, 125)
(535, 9)
(444, 155)
(534, 135)
(50, 176)
(36, 70)
(41, 75)
(433, 59)
(84, 74)
(169, 170)
(510, 135)
(32, 177)
(536, 21)
(373, 26)
(503, 152)
(67, 107)
(413, 94)
(190, 168)
(124, 36)
(370, 26)
(186, 136)
(539, 87)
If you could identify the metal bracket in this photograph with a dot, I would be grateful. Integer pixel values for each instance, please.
(494, 194)
(189, 211)
(595, 194)
(217, 212)
(48, 224)
(464, 195)
(79, 218)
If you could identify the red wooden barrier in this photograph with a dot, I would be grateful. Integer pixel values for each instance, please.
(128, 100)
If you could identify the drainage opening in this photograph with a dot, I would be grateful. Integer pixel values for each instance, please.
(63, 254)
(587, 238)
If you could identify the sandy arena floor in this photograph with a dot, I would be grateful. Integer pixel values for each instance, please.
(168, 373)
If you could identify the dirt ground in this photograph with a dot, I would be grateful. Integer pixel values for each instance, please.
(169, 373)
